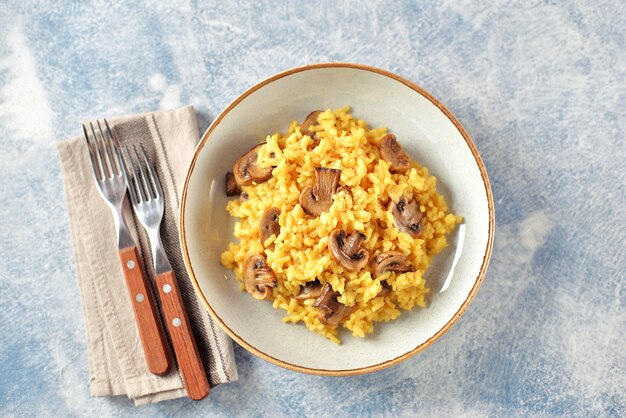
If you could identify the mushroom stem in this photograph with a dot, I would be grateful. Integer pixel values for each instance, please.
(352, 242)
(319, 198)
(326, 180)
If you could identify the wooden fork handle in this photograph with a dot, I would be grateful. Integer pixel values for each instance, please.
(183, 341)
(146, 316)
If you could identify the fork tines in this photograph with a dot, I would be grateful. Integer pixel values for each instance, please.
(145, 185)
(106, 159)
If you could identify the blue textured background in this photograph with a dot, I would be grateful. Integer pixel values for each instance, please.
(541, 87)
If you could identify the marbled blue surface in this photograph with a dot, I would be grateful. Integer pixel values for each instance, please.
(541, 87)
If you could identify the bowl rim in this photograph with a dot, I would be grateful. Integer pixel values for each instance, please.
(418, 348)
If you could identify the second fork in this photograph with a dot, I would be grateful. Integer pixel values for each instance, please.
(148, 202)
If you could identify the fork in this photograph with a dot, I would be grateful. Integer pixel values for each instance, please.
(105, 158)
(146, 195)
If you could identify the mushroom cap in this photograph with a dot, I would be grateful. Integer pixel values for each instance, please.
(246, 170)
(309, 121)
(232, 188)
(258, 277)
(391, 151)
(319, 198)
(331, 311)
(346, 249)
(269, 225)
(407, 216)
(391, 261)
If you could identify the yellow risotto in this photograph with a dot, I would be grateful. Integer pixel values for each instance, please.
(337, 225)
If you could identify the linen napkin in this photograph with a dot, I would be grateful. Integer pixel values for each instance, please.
(117, 364)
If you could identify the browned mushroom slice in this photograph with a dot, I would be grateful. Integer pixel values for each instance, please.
(269, 224)
(331, 311)
(346, 249)
(232, 188)
(258, 277)
(317, 199)
(391, 261)
(407, 216)
(335, 318)
(392, 152)
(311, 290)
(247, 171)
(385, 290)
(310, 120)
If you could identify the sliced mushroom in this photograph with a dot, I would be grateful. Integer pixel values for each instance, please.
(311, 290)
(232, 188)
(269, 224)
(317, 199)
(247, 171)
(391, 261)
(407, 216)
(386, 289)
(346, 249)
(331, 311)
(391, 151)
(335, 317)
(310, 120)
(258, 277)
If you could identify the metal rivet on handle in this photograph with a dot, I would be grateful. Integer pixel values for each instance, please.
(130, 264)
(139, 297)
(167, 288)
(176, 322)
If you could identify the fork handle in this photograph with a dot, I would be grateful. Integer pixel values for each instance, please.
(146, 316)
(183, 341)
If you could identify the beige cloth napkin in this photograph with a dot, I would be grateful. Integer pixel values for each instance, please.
(116, 361)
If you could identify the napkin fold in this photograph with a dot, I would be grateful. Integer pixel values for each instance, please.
(117, 364)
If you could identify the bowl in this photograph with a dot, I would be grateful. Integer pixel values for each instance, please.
(427, 131)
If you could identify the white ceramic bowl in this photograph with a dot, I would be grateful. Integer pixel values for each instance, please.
(426, 130)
